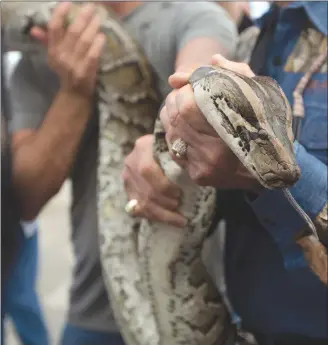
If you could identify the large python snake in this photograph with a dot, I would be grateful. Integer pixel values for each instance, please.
(159, 288)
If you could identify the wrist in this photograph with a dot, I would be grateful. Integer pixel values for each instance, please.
(77, 95)
(73, 97)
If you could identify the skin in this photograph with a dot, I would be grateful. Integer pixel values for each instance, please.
(43, 158)
(158, 198)
(209, 161)
(206, 165)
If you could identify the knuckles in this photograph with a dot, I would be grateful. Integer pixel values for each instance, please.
(201, 175)
(85, 42)
(146, 170)
(53, 27)
(213, 157)
(186, 109)
(73, 31)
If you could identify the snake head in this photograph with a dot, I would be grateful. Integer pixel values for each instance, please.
(253, 117)
(271, 166)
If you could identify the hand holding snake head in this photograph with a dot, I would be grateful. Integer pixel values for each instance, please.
(248, 120)
(208, 160)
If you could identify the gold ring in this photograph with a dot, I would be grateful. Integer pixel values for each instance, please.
(130, 206)
(179, 148)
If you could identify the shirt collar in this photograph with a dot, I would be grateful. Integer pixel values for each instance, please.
(316, 11)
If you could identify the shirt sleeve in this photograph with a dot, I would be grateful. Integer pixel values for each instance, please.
(29, 95)
(280, 218)
(205, 19)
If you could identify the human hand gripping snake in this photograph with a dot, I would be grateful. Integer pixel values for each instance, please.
(159, 288)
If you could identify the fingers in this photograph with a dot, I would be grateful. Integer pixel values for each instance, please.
(181, 108)
(56, 26)
(74, 50)
(181, 111)
(189, 111)
(158, 197)
(152, 211)
(140, 166)
(238, 67)
(89, 65)
(169, 114)
(181, 76)
(157, 213)
(40, 35)
(159, 182)
(178, 80)
(87, 37)
(72, 40)
(154, 208)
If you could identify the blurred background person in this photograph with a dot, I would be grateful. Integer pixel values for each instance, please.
(44, 93)
(20, 301)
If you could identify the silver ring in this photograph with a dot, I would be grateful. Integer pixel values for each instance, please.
(130, 206)
(179, 148)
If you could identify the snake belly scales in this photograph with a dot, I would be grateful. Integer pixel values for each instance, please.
(159, 288)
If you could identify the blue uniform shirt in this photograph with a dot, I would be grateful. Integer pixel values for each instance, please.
(269, 283)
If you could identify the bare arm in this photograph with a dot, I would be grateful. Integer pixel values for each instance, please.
(197, 52)
(204, 31)
(198, 37)
(42, 159)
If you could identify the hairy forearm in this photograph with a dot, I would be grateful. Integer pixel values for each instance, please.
(42, 160)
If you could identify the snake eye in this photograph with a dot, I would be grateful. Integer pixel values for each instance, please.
(263, 134)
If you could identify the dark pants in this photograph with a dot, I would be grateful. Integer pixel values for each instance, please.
(20, 299)
(288, 339)
(73, 335)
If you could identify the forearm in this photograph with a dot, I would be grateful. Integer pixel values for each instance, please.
(42, 160)
(196, 53)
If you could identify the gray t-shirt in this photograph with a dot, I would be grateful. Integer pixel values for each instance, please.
(162, 29)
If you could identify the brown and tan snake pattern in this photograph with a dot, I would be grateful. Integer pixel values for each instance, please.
(159, 288)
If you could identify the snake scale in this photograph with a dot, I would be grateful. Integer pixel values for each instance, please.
(159, 288)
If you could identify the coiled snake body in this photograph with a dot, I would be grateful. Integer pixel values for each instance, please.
(159, 289)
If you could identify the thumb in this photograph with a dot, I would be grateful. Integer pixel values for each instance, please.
(40, 35)
(237, 67)
(219, 60)
(179, 79)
